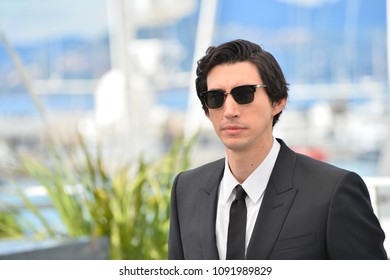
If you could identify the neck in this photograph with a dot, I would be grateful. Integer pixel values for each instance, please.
(243, 163)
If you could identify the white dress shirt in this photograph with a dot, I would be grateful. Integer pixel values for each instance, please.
(254, 186)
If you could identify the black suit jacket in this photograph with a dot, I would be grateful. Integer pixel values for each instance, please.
(310, 210)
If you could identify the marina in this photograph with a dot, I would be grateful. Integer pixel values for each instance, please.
(125, 83)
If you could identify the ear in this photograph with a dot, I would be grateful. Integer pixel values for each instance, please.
(278, 106)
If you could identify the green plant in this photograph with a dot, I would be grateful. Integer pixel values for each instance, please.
(10, 227)
(130, 205)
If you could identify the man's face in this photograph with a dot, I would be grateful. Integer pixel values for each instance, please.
(245, 127)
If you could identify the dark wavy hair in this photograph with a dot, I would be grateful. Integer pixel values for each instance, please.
(240, 51)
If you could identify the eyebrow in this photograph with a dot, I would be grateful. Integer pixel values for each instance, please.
(246, 84)
(219, 89)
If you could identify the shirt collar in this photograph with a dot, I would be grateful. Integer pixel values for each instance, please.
(256, 183)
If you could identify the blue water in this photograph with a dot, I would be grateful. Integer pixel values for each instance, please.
(21, 104)
(11, 199)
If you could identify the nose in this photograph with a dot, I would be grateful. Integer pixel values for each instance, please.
(230, 107)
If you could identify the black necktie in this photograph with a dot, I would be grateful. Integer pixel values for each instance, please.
(237, 227)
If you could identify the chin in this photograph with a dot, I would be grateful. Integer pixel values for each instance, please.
(235, 146)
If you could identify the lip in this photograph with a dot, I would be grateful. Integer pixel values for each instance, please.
(232, 129)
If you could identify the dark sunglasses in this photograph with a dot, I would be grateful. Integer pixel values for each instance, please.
(245, 94)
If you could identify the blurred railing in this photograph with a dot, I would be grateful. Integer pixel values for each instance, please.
(374, 184)
(379, 188)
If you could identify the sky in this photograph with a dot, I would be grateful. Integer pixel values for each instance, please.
(283, 26)
(309, 3)
(24, 21)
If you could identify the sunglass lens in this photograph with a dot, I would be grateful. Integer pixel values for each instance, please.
(244, 94)
(214, 99)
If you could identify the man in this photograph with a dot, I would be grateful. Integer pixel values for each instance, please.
(291, 206)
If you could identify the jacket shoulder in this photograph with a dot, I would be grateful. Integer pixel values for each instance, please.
(204, 170)
(204, 175)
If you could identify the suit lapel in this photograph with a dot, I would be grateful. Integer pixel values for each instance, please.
(276, 204)
(208, 210)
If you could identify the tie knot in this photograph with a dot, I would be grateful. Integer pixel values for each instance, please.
(240, 193)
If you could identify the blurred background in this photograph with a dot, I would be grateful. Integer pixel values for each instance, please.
(120, 73)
